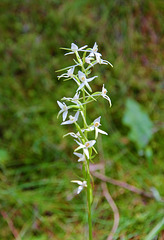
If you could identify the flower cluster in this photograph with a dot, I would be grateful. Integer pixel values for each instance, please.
(72, 108)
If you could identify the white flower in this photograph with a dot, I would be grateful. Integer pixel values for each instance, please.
(94, 50)
(75, 99)
(80, 156)
(88, 60)
(74, 135)
(68, 74)
(71, 119)
(103, 94)
(95, 127)
(84, 81)
(75, 48)
(81, 185)
(101, 61)
(64, 110)
(85, 146)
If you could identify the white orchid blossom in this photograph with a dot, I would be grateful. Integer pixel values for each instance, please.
(95, 127)
(81, 185)
(64, 109)
(94, 50)
(71, 119)
(75, 48)
(85, 146)
(103, 94)
(101, 61)
(84, 81)
(68, 74)
(89, 59)
(75, 99)
(80, 156)
(74, 135)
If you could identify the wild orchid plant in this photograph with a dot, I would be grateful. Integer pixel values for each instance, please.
(86, 58)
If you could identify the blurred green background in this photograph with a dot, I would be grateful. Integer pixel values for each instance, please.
(36, 163)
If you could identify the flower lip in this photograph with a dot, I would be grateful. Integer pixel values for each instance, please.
(71, 118)
(96, 124)
(104, 91)
(87, 144)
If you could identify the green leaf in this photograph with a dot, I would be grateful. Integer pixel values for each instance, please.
(4, 156)
(159, 227)
(139, 123)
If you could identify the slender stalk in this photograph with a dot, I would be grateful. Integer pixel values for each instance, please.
(89, 187)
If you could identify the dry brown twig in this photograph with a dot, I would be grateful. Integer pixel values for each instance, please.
(11, 225)
(114, 208)
(106, 193)
(124, 185)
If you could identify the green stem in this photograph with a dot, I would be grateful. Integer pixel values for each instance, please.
(89, 187)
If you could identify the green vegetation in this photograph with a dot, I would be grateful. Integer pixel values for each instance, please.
(36, 163)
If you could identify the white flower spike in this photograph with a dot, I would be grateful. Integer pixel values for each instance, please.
(64, 110)
(80, 156)
(85, 59)
(84, 81)
(75, 48)
(71, 119)
(103, 94)
(81, 185)
(85, 146)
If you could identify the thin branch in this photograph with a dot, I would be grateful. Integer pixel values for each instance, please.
(123, 185)
(106, 193)
(11, 225)
(114, 208)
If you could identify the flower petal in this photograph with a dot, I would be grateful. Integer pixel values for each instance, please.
(74, 47)
(91, 79)
(80, 188)
(80, 87)
(102, 132)
(91, 143)
(96, 132)
(86, 152)
(81, 74)
(65, 115)
(67, 122)
(76, 116)
(97, 120)
(69, 53)
(77, 181)
(87, 85)
(83, 47)
(78, 154)
(60, 104)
